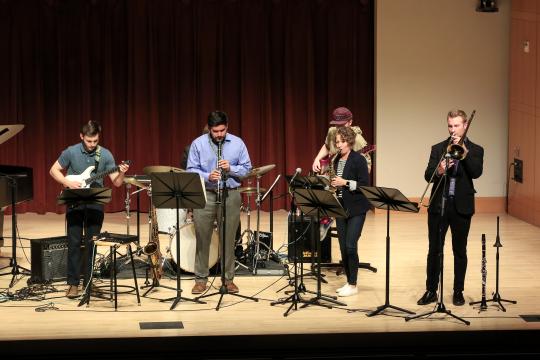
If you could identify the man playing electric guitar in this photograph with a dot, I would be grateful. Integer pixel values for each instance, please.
(76, 160)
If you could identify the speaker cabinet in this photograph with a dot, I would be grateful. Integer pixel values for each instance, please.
(305, 233)
(49, 259)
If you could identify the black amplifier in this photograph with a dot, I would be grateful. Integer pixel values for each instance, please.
(49, 259)
(306, 233)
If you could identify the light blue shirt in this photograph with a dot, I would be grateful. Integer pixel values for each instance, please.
(202, 159)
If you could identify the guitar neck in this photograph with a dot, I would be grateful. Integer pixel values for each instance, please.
(100, 175)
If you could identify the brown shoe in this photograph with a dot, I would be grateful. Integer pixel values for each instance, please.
(72, 291)
(232, 288)
(198, 288)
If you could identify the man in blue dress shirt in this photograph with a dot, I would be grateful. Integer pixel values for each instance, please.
(222, 160)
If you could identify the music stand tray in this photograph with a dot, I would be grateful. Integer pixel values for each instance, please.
(389, 199)
(72, 197)
(317, 203)
(173, 190)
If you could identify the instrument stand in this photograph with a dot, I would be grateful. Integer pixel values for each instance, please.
(295, 298)
(125, 259)
(16, 269)
(248, 233)
(223, 288)
(317, 203)
(496, 296)
(388, 198)
(171, 190)
(440, 308)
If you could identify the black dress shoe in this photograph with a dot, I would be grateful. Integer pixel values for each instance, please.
(458, 298)
(427, 298)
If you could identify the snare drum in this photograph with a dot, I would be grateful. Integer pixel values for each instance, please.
(166, 219)
(188, 245)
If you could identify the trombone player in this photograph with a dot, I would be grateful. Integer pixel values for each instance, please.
(462, 161)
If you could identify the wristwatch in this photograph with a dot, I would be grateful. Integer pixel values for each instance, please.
(348, 184)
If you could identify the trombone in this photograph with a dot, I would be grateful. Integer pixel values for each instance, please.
(454, 151)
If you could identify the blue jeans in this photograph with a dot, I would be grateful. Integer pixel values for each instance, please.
(349, 231)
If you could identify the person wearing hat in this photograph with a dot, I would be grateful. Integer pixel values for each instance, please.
(341, 116)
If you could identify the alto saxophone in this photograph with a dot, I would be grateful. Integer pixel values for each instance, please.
(331, 171)
(152, 249)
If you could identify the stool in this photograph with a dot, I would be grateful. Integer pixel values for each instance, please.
(113, 277)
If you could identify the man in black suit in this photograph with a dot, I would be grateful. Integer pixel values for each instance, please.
(459, 192)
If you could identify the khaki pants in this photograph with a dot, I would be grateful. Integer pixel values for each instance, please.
(204, 225)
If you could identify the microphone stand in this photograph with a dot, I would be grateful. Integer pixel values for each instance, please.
(221, 201)
(295, 298)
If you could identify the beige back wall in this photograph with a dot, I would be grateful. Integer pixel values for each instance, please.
(433, 55)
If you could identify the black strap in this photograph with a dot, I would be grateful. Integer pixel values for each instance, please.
(97, 157)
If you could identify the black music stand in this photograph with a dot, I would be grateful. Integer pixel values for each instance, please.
(76, 197)
(171, 190)
(6, 133)
(317, 203)
(16, 269)
(389, 199)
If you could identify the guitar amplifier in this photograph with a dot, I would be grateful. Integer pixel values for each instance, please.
(49, 259)
(305, 234)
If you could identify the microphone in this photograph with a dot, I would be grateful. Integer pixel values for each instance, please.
(296, 173)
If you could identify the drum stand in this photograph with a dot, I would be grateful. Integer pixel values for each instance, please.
(257, 258)
(248, 233)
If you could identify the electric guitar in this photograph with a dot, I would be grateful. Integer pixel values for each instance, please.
(86, 178)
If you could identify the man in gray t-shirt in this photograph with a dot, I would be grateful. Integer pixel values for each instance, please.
(78, 160)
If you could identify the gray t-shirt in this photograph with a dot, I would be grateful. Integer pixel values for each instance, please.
(75, 159)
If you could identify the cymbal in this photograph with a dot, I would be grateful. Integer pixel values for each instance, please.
(250, 190)
(133, 181)
(161, 169)
(260, 170)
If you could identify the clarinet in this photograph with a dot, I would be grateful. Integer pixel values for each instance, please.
(219, 190)
(483, 303)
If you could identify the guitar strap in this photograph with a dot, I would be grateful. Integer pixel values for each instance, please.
(97, 157)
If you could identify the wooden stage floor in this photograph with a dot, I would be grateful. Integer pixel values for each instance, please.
(54, 325)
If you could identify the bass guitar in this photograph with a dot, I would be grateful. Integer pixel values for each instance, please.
(86, 178)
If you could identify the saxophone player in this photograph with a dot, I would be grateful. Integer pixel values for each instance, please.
(351, 172)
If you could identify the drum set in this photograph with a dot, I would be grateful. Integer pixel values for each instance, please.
(247, 247)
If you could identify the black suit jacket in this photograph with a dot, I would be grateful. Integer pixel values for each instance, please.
(469, 168)
(355, 169)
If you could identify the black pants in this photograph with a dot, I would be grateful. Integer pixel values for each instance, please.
(349, 231)
(91, 220)
(459, 226)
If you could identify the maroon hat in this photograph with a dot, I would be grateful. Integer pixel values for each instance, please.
(341, 116)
